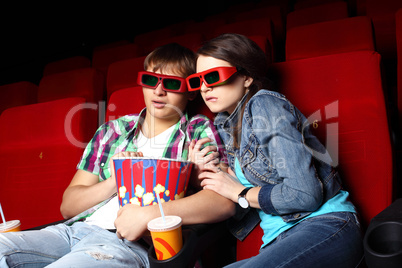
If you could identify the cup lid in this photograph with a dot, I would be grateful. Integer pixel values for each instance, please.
(158, 225)
(9, 225)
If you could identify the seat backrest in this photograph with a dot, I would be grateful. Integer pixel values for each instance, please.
(311, 3)
(67, 64)
(144, 40)
(103, 57)
(342, 97)
(398, 19)
(191, 40)
(347, 90)
(382, 13)
(123, 74)
(40, 149)
(320, 13)
(87, 83)
(125, 101)
(330, 37)
(260, 26)
(205, 27)
(16, 94)
(272, 12)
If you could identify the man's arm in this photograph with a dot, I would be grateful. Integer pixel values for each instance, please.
(202, 207)
(84, 192)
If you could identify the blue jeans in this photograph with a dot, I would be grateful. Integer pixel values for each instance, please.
(329, 240)
(79, 245)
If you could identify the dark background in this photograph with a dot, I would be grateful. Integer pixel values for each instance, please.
(33, 34)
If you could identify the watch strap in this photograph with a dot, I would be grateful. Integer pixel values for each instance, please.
(244, 192)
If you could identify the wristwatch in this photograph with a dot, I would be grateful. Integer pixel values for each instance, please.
(242, 198)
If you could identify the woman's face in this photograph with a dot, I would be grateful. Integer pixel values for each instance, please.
(223, 98)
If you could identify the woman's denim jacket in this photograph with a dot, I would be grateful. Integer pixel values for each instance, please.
(279, 153)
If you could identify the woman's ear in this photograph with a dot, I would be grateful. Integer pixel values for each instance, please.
(192, 95)
(248, 81)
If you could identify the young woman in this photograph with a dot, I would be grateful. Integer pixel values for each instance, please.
(306, 216)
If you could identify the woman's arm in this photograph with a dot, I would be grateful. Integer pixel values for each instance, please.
(278, 132)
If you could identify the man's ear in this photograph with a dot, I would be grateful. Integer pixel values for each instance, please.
(192, 95)
(248, 81)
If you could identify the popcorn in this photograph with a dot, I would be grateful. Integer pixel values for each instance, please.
(148, 198)
(135, 201)
(140, 180)
(122, 191)
(139, 191)
(159, 189)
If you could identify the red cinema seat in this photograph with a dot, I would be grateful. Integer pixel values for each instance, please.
(16, 94)
(144, 40)
(191, 40)
(330, 37)
(300, 4)
(123, 74)
(87, 83)
(274, 13)
(399, 59)
(261, 26)
(102, 57)
(205, 27)
(342, 97)
(382, 13)
(39, 152)
(256, 27)
(125, 101)
(325, 12)
(68, 64)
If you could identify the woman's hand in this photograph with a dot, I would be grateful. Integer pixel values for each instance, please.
(202, 158)
(221, 182)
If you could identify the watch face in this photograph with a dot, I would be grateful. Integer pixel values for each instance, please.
(243, 202)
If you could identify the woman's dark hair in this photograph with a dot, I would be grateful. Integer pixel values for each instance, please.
(172, 57)
(242, 53)
(247, 57)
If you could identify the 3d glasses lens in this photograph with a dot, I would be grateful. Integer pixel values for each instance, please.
(149, 80)
(171, 84)
(194, 82)
(212, 77)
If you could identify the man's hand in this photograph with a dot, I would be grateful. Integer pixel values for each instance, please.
(132, 220)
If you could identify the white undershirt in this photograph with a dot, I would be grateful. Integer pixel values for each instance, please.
(105, 216)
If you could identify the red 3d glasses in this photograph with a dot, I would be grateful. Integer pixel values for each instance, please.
(211, 77)
(169, 82)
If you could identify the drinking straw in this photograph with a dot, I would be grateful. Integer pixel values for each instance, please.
(160, 207)
(2, 216)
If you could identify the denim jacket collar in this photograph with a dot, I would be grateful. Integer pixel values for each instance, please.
(226, 120)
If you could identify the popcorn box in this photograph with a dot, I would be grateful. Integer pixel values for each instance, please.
(139, 179)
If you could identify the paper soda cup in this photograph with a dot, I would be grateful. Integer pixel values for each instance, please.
(166, 236)
(10, 226)
(139, 179)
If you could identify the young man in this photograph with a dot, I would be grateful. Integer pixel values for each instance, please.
(162, 129)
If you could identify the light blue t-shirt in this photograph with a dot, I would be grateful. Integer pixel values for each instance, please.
(273, 225)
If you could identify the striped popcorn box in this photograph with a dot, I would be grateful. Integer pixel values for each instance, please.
(140, 179)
